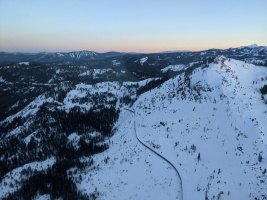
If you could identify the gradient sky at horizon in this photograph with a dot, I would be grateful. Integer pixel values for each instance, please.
(130, 25)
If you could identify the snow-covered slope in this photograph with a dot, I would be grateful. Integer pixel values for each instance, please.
(211, 125)
(127, 170)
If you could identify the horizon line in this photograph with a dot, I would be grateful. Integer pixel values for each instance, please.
(129, 52)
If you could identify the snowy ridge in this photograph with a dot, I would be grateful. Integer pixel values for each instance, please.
(72, 55)
(115, 91)
(252, 50)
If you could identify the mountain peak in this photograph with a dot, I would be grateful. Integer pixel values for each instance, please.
(250, 46)
(253, 46)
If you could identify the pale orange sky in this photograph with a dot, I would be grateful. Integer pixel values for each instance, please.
(131, 26)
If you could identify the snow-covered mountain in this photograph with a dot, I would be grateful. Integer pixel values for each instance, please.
(125, 139)
(211, 125)
(56, 56)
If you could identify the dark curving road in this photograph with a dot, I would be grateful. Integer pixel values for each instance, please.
(180, 191)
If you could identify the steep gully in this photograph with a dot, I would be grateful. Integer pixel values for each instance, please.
(180, 189)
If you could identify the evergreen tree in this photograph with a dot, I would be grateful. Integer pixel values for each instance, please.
(260, 157)
(198, 157)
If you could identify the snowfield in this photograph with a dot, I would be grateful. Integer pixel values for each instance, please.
(143, 60)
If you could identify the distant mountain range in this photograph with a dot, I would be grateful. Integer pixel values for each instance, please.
(253, 54)
(55, 56)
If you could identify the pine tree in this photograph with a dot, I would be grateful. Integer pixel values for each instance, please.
(198, 157)
(260, 157)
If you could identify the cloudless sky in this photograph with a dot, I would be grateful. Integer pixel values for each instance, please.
(130, 25)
